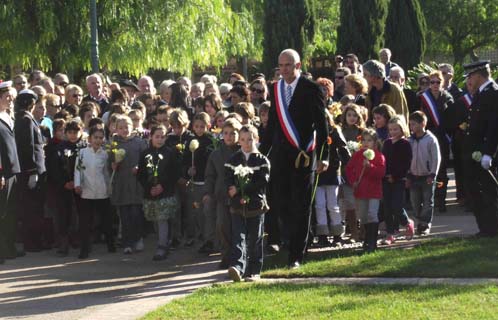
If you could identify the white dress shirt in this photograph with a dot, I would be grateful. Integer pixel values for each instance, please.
(94, 177)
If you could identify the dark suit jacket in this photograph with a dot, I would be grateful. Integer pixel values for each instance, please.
(482, 133)
(307, 110)
(8, 152)
(29, 143)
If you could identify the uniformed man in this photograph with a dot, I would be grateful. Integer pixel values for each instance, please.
(480, 145)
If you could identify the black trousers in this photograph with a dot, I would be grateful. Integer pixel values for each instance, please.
(442, 175)
(90, 207)
(8, 221)
(291, 199)
(456, 148)
(30, 208)
(483, 193)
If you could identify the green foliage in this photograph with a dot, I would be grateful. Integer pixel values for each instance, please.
(460, 27)
(134, 36)
(405, 32)
(458, 74)
(327, 13)
(288, 24)
(362, 27)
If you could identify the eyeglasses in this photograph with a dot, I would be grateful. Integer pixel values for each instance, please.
(260, 91)
(20, 83)
(77, 95)
(339, 77)
(424, 83)
(435, 82)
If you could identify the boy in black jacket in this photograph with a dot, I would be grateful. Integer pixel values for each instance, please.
(247, 176)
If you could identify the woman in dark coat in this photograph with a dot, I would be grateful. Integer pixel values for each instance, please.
(29, 142)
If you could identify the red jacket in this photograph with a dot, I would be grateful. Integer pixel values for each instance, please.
(370, 186)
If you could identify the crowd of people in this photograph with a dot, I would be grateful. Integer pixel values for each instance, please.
(308, 162)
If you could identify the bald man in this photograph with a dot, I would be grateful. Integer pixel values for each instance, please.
(296, 135)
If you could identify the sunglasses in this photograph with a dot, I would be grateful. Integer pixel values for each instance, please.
(435, 82)
(260, 91)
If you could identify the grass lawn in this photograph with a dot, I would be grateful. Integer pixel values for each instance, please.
(287, 301)
(447, 257)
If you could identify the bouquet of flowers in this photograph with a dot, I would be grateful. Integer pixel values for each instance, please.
(153, 167)
(243, 177)
(353, 146)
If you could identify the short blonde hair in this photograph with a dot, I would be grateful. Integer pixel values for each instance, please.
(400, 121)
(123, 118)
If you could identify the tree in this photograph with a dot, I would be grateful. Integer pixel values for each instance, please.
(134, 35)
(461, 26)
(327, 12)
(288, 24)
(405, 32)
(362, 27)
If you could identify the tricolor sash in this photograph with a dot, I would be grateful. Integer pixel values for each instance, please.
(288, 126)
(467, 100)
(431, 106)
(285, 119)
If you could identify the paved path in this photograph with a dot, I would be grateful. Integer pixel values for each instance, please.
(115, 286)
(107, 286)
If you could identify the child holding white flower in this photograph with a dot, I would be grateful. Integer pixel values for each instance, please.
(158, 172)
(365, 171)
(127, 193)
(91, 183)
(195, 158)
(247, 177)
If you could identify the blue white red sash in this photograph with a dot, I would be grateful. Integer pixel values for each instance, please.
(285, 119)
(467, 100)
(431, 106)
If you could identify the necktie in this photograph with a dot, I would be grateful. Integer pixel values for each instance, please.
(288, 95)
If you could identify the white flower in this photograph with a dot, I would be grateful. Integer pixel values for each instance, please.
(160, 156)
(194, 145)
(369, 154)
(119, 155)
(68, 153)
(353, 146)
(242, 171)
(148, 157)
(477, 156)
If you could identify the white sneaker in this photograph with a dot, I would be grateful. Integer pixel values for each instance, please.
(139, 245)
(234, 274)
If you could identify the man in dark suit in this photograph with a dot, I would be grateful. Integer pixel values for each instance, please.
(296, 116)
(96, 93)
(479, 147)
(9, 168)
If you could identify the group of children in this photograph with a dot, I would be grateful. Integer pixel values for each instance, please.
(385, 161)
(187, 183)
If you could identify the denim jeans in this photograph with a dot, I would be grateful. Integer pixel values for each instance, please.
(394, 199)
(247, 244)
(422, 197)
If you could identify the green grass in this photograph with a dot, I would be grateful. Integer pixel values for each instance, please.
(448, 257)
(287, 301)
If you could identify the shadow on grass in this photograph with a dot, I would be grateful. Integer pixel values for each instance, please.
(448, 257)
